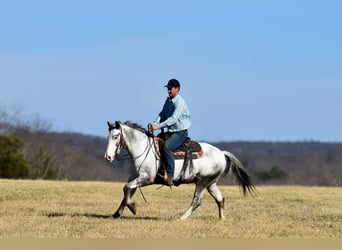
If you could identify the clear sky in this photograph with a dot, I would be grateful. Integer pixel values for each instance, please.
(249, 70)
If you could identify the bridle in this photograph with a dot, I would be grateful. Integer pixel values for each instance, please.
(119, 146)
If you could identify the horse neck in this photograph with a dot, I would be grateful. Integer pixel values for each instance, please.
(136, 142)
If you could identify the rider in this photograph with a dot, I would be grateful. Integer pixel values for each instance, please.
(175, 116)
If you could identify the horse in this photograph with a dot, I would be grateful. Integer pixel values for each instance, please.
(205, 172)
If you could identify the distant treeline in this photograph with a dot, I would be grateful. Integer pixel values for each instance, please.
(74, 156)
(291, 163)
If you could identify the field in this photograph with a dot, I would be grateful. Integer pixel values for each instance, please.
(61, 209)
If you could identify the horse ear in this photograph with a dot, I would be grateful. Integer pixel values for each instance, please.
(109, 125)
(117, 124)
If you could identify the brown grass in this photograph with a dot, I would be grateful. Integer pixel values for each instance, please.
(59, 209)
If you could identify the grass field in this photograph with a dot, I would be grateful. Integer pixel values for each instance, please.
(60, 209)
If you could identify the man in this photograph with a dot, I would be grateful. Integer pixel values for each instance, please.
(174, 116)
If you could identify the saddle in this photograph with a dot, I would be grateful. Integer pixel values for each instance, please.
(188, 151)
(188, 146)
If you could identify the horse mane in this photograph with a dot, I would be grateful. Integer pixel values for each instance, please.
(135, 126)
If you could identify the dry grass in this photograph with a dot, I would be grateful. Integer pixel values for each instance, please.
(58, 209)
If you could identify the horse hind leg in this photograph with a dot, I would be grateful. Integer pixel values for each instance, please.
(217, 195)
(196, 201)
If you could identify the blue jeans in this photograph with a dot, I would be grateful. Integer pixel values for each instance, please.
(172, 143)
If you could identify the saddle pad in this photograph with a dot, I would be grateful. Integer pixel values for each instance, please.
(179, 155)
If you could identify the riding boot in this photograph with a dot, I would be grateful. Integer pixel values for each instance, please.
(167, 180)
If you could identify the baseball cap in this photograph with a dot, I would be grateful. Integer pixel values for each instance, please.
(173, 83)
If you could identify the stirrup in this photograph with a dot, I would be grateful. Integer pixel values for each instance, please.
(166, 180)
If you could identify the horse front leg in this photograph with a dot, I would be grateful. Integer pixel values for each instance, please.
(121, 208)
(130, 203)
(126, 201)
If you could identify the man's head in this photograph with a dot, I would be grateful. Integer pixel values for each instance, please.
(173, 87)
(173, 83)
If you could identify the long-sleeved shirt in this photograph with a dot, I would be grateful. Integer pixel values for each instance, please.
(175, 115)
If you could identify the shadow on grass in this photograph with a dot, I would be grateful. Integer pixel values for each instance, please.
(99, 216)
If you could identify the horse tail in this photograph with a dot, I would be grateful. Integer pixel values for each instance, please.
(235, 167)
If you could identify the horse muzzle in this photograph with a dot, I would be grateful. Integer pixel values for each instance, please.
(109, 158)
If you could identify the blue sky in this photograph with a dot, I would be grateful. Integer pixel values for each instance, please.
(249, 70)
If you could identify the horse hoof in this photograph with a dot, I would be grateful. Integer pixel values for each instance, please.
(116, 215)
(183, 218)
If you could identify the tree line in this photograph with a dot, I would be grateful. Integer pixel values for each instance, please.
(29, 149)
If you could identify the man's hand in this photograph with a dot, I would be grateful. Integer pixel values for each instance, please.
(153, 127)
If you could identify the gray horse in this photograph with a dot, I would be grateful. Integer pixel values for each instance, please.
(205, 171)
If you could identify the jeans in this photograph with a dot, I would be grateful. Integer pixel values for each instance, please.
(172, 143)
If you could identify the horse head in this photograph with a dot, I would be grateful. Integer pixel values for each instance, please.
(115, 141)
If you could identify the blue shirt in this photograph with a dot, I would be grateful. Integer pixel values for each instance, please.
(175, 115)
